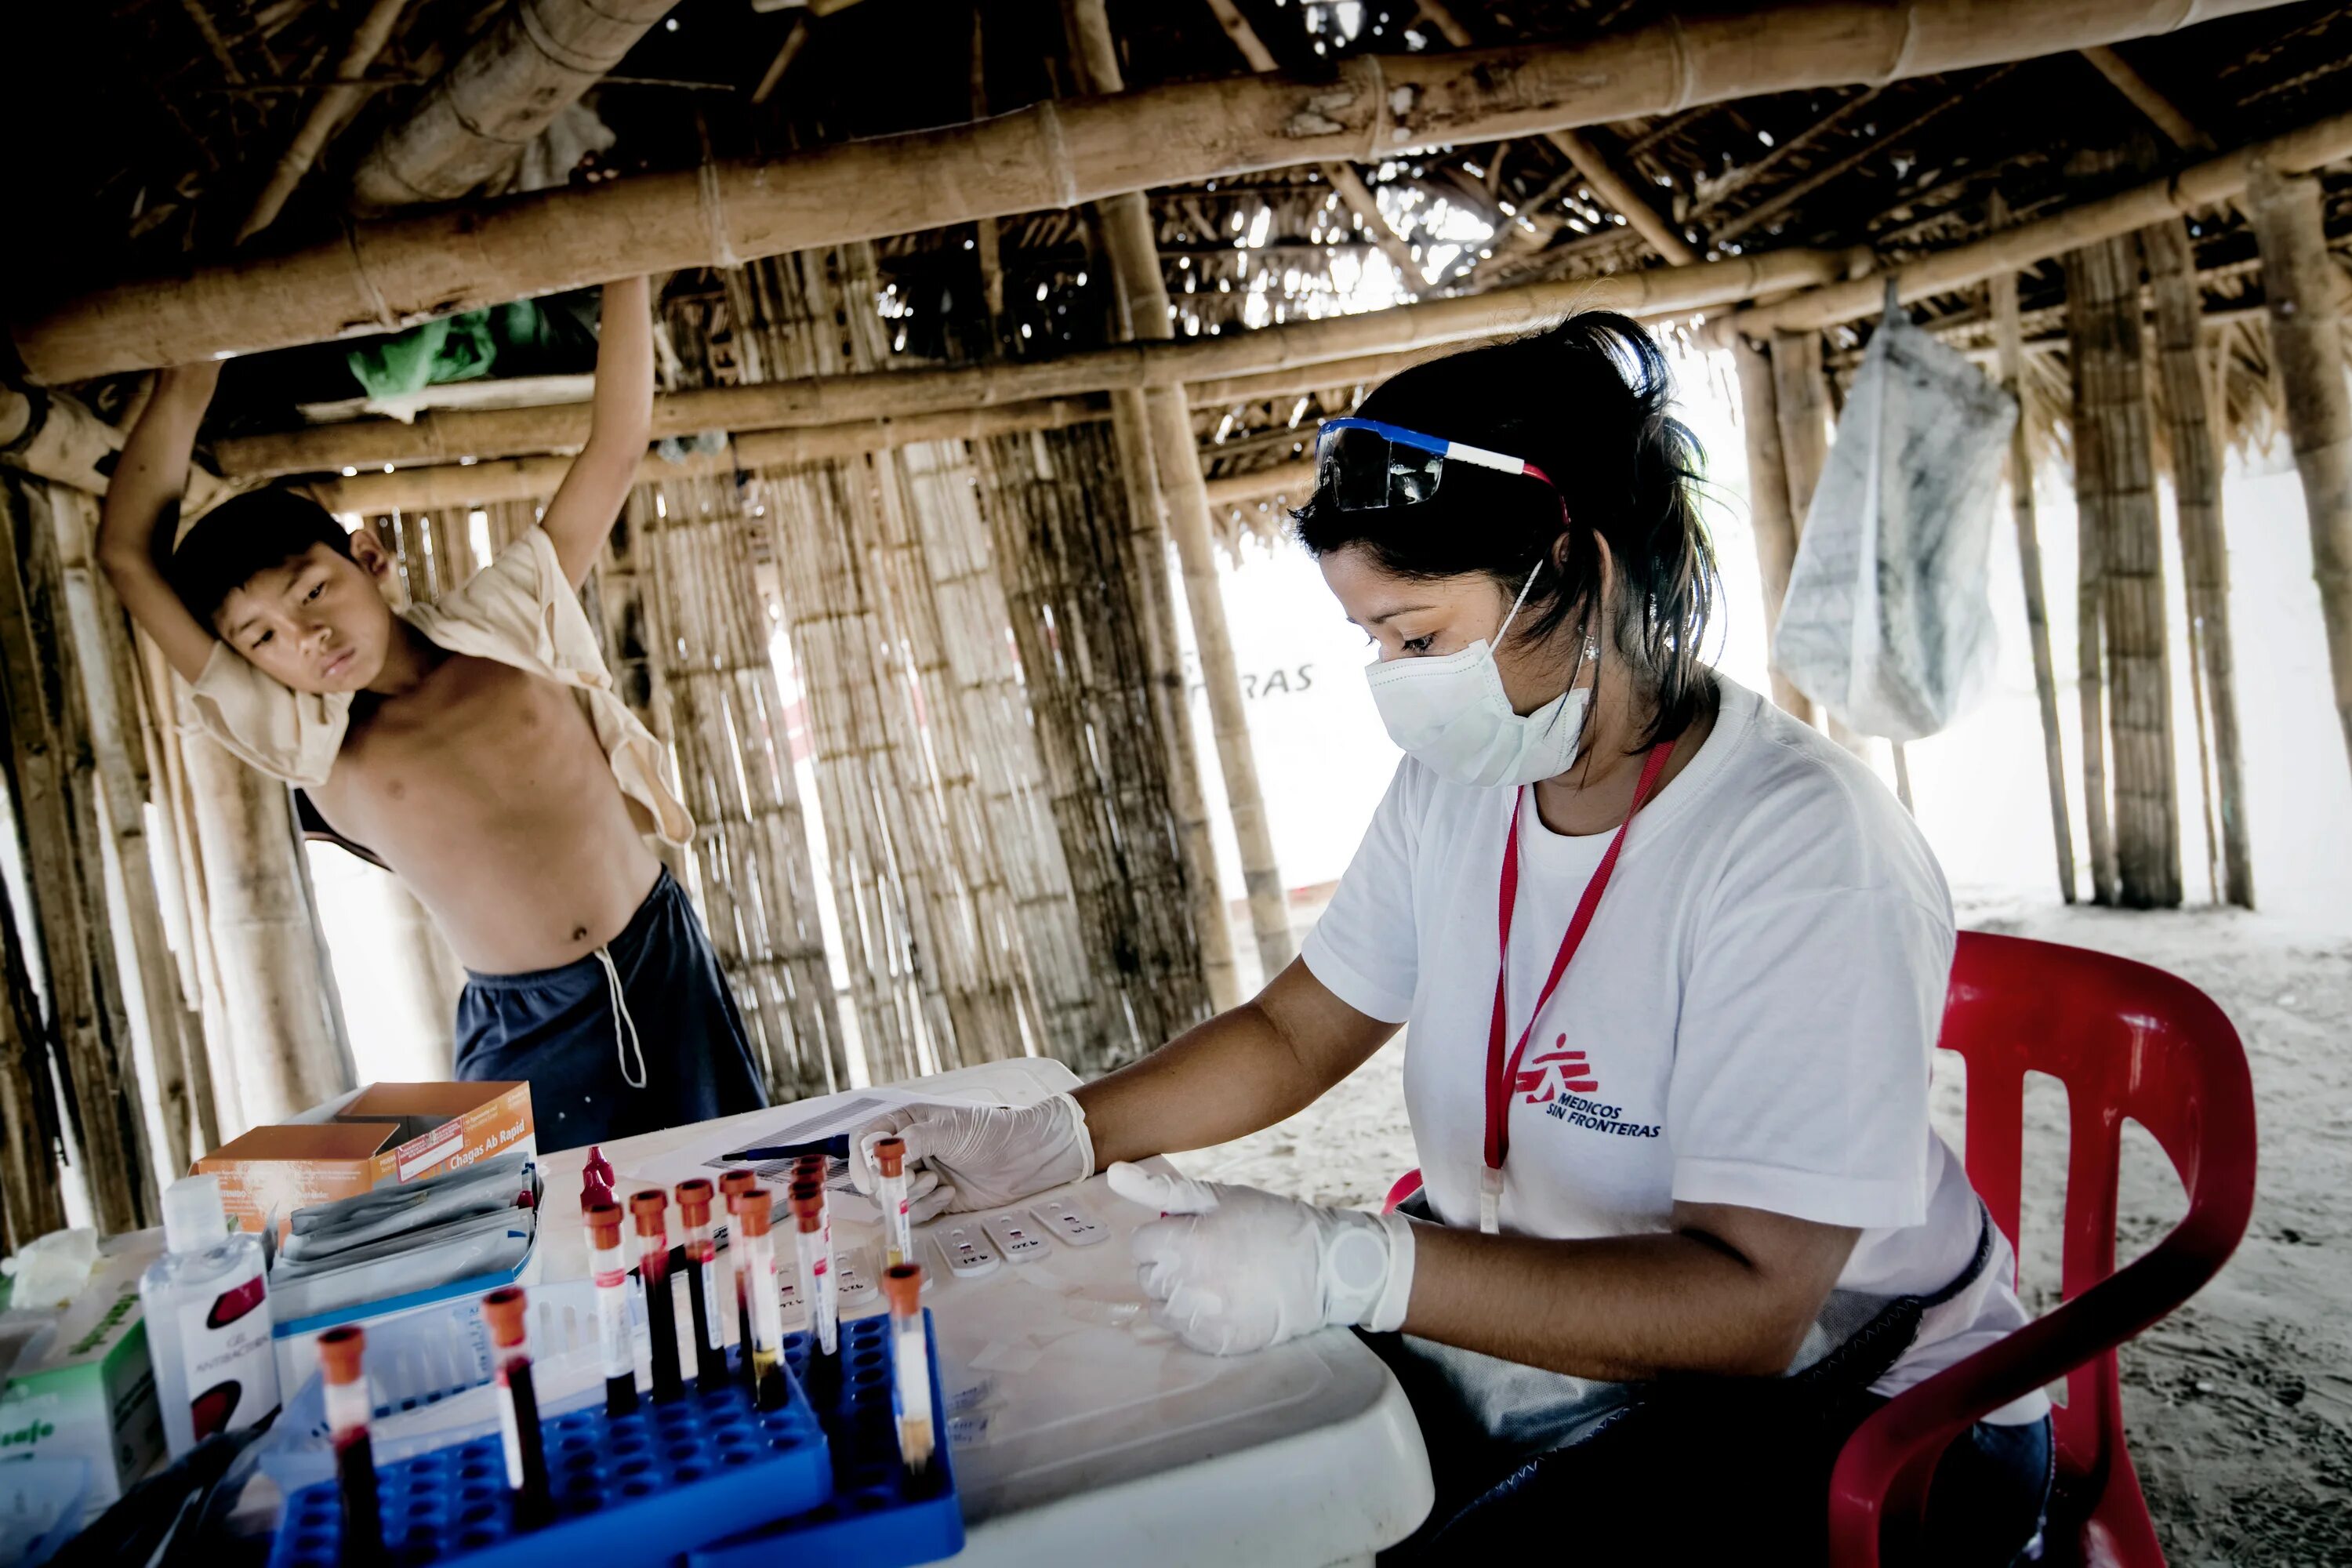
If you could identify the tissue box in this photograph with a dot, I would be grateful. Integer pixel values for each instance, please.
(376, 1137)
(85, 1389)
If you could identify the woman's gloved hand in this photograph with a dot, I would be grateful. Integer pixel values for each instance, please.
(1232, 1269)
(979, 1156)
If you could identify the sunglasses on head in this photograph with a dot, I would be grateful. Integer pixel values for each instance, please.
(1363, 464)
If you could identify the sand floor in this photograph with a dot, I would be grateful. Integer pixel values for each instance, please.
(2239, 1406)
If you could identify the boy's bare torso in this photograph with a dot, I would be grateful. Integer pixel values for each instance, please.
(485, 788)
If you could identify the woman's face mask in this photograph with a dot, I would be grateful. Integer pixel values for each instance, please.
(1450, 709)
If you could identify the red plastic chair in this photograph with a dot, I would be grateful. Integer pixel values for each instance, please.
(2127, 1041)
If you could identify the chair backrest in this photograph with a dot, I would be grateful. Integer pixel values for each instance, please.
(2127, 1041)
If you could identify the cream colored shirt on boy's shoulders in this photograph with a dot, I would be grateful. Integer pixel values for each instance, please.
(519, 610)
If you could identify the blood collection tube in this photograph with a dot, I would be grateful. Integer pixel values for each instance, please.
(610, 1269)
(342, 1363)
(732, 1185)
(652, 1209)
(911, 1363)
(702, 1283)
(816, 1265)
(763, 1335)
(891, 1191)
(509, 1318)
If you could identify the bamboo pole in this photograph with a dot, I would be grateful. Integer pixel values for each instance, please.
(443, 485)
(2161, 111)
(1800, 392)
(1769, 515)
(331, 107)
(987, 245)
(508, 85)
(1134, 249)
(2202, 185)
(447, 435)
(1616, 190)
(278, 1010)
(1348, 186)
(2009, 342)
(52, 792)
(31, 1201)
(2300, 283)
(1171, 699)
(2116, 493)
(2204, 543)
(101, 657)
(385, 276)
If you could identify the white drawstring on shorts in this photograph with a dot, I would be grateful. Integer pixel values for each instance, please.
(622, 1043)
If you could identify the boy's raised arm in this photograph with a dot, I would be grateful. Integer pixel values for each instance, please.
(589, 501)
(142, 499)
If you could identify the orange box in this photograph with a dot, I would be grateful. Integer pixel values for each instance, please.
(380, 1136)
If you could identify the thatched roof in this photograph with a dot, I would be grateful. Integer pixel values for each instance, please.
(155, 120)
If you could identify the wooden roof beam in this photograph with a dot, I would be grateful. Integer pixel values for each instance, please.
(380, 277)
(2014, 249)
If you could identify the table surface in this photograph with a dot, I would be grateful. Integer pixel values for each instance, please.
(1080, 1424)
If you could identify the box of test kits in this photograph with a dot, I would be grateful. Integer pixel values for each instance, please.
(380, 1136)
(84, 1389)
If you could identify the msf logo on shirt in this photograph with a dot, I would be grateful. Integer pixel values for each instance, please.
(1575, 1076)
(1565, 1100)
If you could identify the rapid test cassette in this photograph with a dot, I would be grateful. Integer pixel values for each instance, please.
(1072, 1224)
(965, 1251)
(1016, 1236)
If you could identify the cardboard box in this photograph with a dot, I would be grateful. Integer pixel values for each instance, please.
(86, 1390)
(379, 1136)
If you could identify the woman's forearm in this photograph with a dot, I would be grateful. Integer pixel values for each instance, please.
(1631, 1307)
(1242, 1070)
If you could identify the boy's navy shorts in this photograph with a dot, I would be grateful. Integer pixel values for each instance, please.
(561, 1029)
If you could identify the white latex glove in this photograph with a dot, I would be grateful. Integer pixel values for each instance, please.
(1232, 1269)
(979, 1156)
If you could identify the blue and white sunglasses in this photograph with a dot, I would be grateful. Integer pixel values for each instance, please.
(1363, 464)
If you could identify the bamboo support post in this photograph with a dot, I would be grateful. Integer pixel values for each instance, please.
(2204, 543)
(1171, 699)
(491, 101)
(1134, 248)
(278, 1011)
(32, 1203)
(1769, 515)
(49, 771)
(2116, 493)
(101, 657)
(380, 276)
(2010, 340)
(2300, 283)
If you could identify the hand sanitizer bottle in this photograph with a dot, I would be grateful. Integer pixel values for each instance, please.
(208, 1312)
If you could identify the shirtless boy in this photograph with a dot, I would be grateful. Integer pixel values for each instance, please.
(476, 746)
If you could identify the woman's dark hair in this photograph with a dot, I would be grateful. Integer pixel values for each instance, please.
(1585, 400)
(245, 535)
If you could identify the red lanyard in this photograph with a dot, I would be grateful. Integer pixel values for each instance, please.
(1501, 1071)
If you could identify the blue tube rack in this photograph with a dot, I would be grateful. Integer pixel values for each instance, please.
(879, 1516)
(636, 1488)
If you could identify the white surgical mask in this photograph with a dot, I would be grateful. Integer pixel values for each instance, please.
(1452, 714)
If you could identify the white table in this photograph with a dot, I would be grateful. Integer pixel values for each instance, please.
(1088, 1434)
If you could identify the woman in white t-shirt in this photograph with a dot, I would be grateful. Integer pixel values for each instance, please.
(1674, 964)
